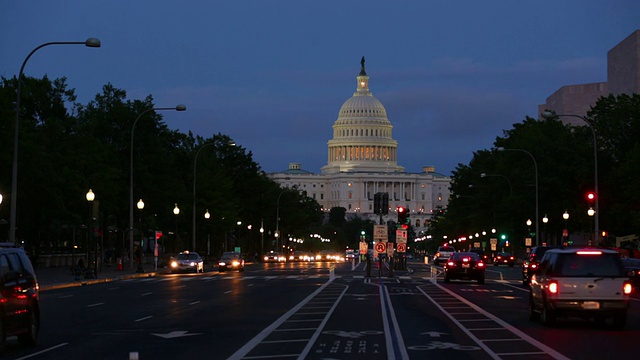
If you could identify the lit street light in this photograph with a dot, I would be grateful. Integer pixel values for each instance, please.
(133, 128)
(90, 197)
(90, 42)
(176, 212)
(140, 206)
(535, 165)
(596, 211)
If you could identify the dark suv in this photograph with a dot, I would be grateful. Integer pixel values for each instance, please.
(19, 298)
(530, 263)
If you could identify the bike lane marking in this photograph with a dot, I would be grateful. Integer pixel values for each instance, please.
(441, 304)
(393, 335)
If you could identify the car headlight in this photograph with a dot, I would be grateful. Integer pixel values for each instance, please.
(235, 263)
(174, 264)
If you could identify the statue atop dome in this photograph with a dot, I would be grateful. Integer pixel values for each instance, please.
(362, 72)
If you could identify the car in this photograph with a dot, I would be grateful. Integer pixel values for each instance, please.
(231, 261)
(580, 282)
(273, 256)
(632, 267)
(329, 256)
(483, 254)
(187, 261)
(530, 263)
(19, 298)
(504, 258)
(442, 254)
(464, 266)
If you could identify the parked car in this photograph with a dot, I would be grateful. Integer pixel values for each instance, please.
(530, 263)
(19, 298)
(187, 261)
(504, 258)
(580, 282)
(442, 254)
(464, 266)
(231, 261)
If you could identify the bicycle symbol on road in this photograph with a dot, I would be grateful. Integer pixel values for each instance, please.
(352, 334)
(440, 345)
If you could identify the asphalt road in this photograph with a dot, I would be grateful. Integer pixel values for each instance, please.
(312, 311)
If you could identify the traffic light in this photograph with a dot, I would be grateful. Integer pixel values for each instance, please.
(385, 203)
(377, 203)
(591, 198)
(403, 217)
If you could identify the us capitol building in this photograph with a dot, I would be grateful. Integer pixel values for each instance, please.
(362, 161)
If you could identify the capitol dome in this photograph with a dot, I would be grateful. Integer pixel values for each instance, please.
(362, 134)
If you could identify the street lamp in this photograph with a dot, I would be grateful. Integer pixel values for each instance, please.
(90, 42)
(277, 234)
(545, 220)
(565, 233)
(207, 216)
(176, 212)
(596, 211)
(261, 238)
(535, 165)
(195, 163)
(140, 206)
(499, 175)
(90, 197)
(133, 128)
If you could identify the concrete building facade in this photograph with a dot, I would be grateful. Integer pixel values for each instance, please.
(623, 77)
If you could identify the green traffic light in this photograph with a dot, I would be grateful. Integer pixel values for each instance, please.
(503, 236)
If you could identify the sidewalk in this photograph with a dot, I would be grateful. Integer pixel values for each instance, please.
(51, 278)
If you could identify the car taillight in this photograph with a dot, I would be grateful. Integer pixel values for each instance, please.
(480, 264)
(451, 263)
(510, 257)
(533, 266)
(627, 288)
(553, 287)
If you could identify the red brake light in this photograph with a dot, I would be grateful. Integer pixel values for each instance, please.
(465, 259)
(480, 264)
(553, 287)
(533, 266)
(589, 252)
(450, 263)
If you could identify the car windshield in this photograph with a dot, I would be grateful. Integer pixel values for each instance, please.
(230, 256)
(575, 265)
(190, 256)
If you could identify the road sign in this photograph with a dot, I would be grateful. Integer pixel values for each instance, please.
(364, 247)
(401, 236)
(380, 233)
(390, 250)
(381, 247)
(402, 248)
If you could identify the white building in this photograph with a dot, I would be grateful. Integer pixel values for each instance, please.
(362, 161)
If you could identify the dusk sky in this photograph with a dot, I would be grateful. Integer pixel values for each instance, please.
(273, 75)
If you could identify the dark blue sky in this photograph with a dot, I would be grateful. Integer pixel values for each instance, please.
(273, 74)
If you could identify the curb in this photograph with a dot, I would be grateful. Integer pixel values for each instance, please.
(95, 281)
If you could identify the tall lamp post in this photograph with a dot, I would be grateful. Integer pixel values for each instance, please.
(565, 232)
(207, 216)
(548, 115)
(90, 197)
(90, 42)
(277, 234)
(195, 163)
(133, 128)
(535, 165)
(176, 212)
(140, 206)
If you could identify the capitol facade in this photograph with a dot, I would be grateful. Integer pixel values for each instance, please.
(362, 161)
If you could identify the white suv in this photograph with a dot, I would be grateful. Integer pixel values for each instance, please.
(442, 254)
(585, 282)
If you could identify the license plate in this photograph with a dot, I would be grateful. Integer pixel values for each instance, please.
(465, 265)
(591, 305)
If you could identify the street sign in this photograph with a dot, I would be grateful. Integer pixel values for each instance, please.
(381, 247)
(380, 233)
(401, 236)
(402, 248)
(364, 247)
(390, 250)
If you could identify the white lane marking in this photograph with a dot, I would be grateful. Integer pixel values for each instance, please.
(42, 351)
(385, 299)
(96, 304)
(144, 318)
(195, 302)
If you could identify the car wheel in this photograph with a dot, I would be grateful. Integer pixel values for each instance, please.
(481, 280)
(30, 338)
(548, 317)
(620, 320)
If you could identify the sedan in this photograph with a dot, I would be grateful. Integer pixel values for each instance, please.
(464, 266)
(231, 261)
(187, 261)
(273, 256)
(504, 258)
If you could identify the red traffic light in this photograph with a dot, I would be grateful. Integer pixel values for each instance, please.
(591, 196)
(401, 209)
